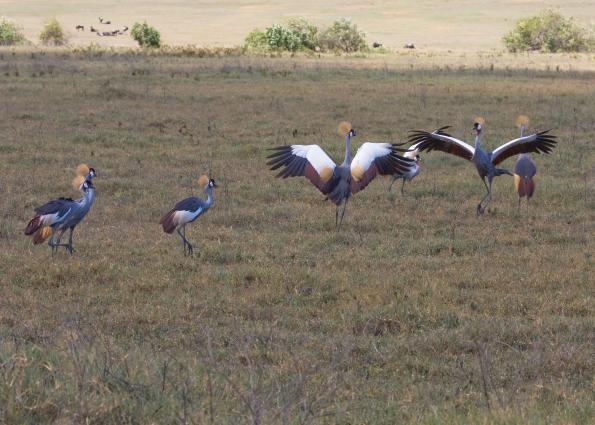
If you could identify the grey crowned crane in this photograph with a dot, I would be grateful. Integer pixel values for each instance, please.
(524, 169)
(339, 182)
(412, 153)
(485, 162)
(63, 213)
(188, 210)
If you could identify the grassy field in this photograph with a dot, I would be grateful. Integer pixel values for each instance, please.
(417, 312)
(459, 25)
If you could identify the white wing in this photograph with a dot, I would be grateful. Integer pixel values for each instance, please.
(304, 160)
(372, 159)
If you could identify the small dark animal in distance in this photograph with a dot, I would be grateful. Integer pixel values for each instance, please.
(376, 44)
(80, 27)
(93, 29)
(409, 46)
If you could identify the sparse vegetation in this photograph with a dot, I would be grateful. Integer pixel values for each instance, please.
(549, 31)
(417, 312)
(10, 32)
(52, 33)
(145, 35)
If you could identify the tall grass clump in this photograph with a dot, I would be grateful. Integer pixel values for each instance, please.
(549, 31)
(145, 35)
(10, 32)
(52, 33)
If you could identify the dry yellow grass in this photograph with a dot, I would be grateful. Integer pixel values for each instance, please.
(457, 25)
(418, 311)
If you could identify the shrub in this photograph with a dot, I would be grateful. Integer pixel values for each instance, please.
(343, 36)
(256, 40)
(550, 32)
(305, 32)
(145, 35)
(281, 38)
(52, 33)
(10, 32)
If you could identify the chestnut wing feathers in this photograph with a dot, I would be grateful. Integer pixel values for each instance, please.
(537, 143)
(441, 141)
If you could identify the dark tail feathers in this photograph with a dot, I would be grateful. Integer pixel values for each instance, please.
(167, 222)
(33, 225)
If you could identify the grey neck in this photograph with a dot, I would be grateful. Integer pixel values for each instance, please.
(88, 198)
(209, 192)
(477, 137)
(347, 160)
(522, 130)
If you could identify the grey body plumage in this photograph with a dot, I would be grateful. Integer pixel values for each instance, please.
(59, 215)
(524, 171)
(186, 211)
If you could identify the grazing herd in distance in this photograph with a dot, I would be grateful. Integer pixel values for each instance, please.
(337, 182)
(103, 33)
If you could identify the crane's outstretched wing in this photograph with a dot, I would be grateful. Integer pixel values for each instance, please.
(538, 142)
(441, 141)
(304, 160)
(372, 159)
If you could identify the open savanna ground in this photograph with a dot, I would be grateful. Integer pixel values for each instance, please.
(461, 25)
(416, 312)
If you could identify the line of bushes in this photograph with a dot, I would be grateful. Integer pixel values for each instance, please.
(549, 31)
(11, 33)
(299, 34)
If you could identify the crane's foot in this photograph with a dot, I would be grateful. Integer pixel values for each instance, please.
(480, 210)
(190, 250)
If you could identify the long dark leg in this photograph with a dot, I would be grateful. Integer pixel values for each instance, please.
(481, 209)
(183, 240)
(190, 248)
(403, 188)
(52, 243)
(187, 244)
(336, 217)
(342, 214)
(69, 247)
(394, 179)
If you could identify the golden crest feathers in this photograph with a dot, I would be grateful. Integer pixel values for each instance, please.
(344, 127)
(78, 181)
(203, 180)
(522, 121)
(480, 120)
(82, 170)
